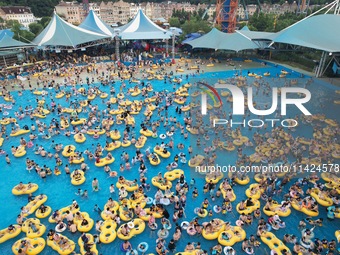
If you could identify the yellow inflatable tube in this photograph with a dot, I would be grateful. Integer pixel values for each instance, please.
(154, 163)
(146, 132)
(68, 150)
(57, 248)
(161, 153)
(224, 193)
(91, 241)
(194, 252)
(128, 186)
(35, 204)
(77, 160)
(115, 135)
(214, 178)
(36, 245)
(174, 174)
(96, 132)
(161, 185)
(137, 227)
(249, 209)
(236, 234)
(337, 235)
(197, 161)
(28, 230)
(41, 215)
(79, 138)
(20, 152)
(214, 235)
(275, 209)
(306, 211)
(245, 181)
(63, 211)
(323, 200)
(78, 222)
(78, 180)
(274, 243)
(105, 161)
(6, 235)
(113, 145)
(157, 215)
(78, 122)
(26, 189)
(257, 194)
(20, 132)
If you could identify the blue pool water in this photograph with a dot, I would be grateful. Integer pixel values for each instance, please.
(61, 192)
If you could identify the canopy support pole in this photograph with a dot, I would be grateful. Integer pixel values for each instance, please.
(173, 36)
(329, 62)
(117, 39)
(117, 48)
(173, 47)
(4, 61)
(167, 47)
(321, 67)
(337, 8)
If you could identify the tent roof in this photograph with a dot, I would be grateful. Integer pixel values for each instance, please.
(7, 42)
(6, 32)
(95, 24)
(237, 42)
(245, 28)
(191, 37)
(218, 40)
(255, 35)
(141, 27)
(60, 33)
(317, 32)
(210, 40)
(4, 53)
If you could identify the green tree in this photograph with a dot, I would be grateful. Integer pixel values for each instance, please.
(174, 22)
(44, 21)
(19, 33)
(196, 24)
(35, 28)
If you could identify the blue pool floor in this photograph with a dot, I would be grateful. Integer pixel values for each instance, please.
(61, 192)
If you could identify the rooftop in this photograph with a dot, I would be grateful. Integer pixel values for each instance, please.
(15, 9)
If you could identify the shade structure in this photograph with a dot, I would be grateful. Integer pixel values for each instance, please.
(6, 32)
(210, 40)
(191, 37)
(236, 42)
(245, 28)
(59, 33)
(142, 28)
(262, 39)
(218, 40)
(319, 32)
(93, 23)
(7, 43)
(256, 35)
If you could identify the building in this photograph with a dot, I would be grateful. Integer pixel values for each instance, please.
(278, 9)
(147, 9)
(212, 12)
(114, 12)
(22, 14)
(241, 13)
(70, 11)
(106, 13)
(121, 12)
(74, 12)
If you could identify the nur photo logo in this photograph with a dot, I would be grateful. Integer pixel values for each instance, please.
(239, 99)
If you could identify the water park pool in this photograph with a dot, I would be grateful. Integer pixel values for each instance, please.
(61, 192)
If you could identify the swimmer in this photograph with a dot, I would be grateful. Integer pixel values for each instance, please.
(95, 185)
